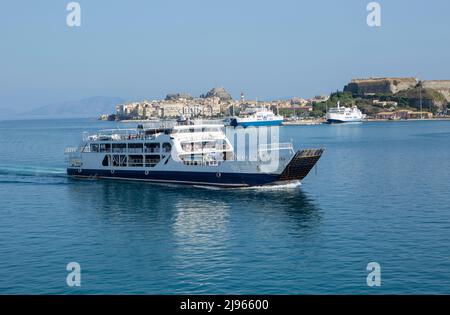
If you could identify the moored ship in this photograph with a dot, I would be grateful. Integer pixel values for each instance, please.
(340, 114)
(195, 155)
(256, 117)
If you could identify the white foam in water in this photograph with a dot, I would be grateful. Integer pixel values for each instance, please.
(31, 170)
(291, 185)
(208, 187)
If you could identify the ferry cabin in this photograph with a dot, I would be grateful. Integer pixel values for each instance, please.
(130, 148)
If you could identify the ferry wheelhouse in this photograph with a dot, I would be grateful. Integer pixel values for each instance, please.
(195, 155)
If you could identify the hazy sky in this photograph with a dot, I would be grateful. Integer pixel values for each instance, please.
(268, 49)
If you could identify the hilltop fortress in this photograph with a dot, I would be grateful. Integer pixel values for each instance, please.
(371, 86)
(380, 85)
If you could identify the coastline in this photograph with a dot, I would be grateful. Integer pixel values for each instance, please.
(320, 121)
(310, 122)
(411, 119)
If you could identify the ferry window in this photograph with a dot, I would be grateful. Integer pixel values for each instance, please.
(227, 156)
(187, 146)
(115, 160)
(119, 147)
(152, 160)
(119, 160)
(167, 147)
(135, 160)
(135, 147)
(208, 145)
(106, 160)
(152, 147)
(123, 160)
(105, 147)
(94, 147)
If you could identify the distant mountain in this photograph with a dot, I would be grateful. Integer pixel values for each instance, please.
(219, 92)
(6, 114)
(84, 108)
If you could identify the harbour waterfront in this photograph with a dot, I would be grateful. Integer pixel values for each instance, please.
(380, 193)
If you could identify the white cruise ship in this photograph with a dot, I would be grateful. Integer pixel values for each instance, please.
(195, 155)
(344, 114)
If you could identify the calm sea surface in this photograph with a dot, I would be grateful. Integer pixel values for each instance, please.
(381, 193)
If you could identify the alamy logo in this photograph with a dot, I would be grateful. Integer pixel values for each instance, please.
(374, 16)
(74, 16)
(246, 145)
(73, 279)
(374, 276)
(256, 144)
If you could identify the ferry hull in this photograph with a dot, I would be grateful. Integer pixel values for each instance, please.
(297, 169)
(258, 123)
(339, 121)
(227, 180)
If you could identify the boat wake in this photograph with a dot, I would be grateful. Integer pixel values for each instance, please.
(209, 187)
(288, 186)
(19, 170)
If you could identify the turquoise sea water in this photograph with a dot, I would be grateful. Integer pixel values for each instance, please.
(380, 193)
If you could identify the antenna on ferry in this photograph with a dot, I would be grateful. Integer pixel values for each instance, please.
(338, 104)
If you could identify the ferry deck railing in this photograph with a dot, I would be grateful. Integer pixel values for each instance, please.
(275, 147)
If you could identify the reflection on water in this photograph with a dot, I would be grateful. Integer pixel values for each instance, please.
(201, 239)
(193, 212)
(196, 223)
(198, 240)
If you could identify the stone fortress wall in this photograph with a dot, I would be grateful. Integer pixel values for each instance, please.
(442, 86)
(395, 85)
(380, 85)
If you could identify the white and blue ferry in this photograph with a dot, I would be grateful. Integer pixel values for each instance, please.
(256, 117)
(339, 115)
(194, 155)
